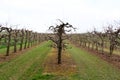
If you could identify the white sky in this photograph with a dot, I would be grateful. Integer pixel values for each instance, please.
(38, 15)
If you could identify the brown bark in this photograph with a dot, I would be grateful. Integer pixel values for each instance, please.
(58, 37)
(22, 38)
(26, 39)
(9, 30)
(8, 45)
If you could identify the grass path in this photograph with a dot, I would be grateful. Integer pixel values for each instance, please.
(3, 50)
(23, 67)
(30, 66)
(91, 67)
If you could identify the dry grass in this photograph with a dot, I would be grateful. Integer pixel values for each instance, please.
(68, 66)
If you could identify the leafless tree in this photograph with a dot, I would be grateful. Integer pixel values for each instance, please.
(59, 34)
(102, 37)
(22, 33)
(26, 38)
(114, 39)
(9, 30)
(15, 38)
(29, 38)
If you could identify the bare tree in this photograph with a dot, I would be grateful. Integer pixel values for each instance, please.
(102, 37)
(22, 33)
(29, 38)
(59, 35)
(15, 38)
(9, 30)
(113, 35)
(26, 38)
(92, 39)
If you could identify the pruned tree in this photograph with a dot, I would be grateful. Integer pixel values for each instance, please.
(89, 41)
(39, 37)
(83, 39)
(114, 39)
(34, 42)
(59, 34)
(1, 36)
(102, 37)
(12, 37)
(29, 38)
(22, 33)
(92, 39)
(9, 30)
(15, 38)
(26, 38)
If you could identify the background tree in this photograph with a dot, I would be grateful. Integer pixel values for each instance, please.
(102, 37)
(8, 32)
(114, 38)
(29, 38)
(8, 35)
(15, 38)
(26, 38)
(22, 33)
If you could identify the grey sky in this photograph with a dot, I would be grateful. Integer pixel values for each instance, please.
(38, 15)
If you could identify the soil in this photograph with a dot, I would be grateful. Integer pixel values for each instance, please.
(67, 67)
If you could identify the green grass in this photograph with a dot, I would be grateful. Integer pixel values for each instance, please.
(91, 67)
(29, 66)
(25, 66)
(2, 46)
(3, 49)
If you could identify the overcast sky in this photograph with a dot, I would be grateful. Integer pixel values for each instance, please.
(38, 15)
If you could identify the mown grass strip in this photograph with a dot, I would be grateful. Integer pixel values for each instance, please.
(3, 50)
(91, 67)
(25, 65)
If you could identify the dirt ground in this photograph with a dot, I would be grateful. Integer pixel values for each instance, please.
(68, 66)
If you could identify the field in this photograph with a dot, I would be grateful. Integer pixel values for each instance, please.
(60, 40)
(39, 63)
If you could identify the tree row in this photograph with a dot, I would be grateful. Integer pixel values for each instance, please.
(106, 40)
(19, 39)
